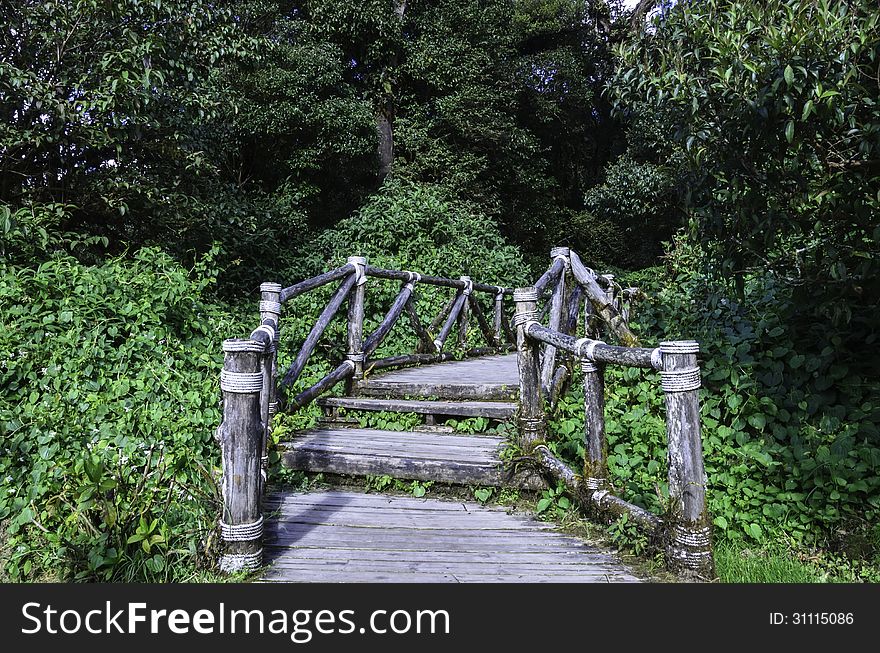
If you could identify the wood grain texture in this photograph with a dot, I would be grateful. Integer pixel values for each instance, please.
(403, 454)
(340, 536)
(486, 378)
(490, 409)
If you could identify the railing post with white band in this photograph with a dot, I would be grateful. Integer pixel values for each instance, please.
(241, 441)
(557, 304)
(356, 318)
(465, 313)
(690, 548)
(499, 314)
(270, 309)
(531, 407)
(595, 448)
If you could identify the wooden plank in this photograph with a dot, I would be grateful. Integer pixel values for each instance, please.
(342, 498)
(438, 389)
(470, 567)
(489, 409)
(375, 538)
(401, 437)
(413, 450)
(348, 535)
(308, 576)
(405, 468)
(481, 542)
(404, 519)
(561, 559)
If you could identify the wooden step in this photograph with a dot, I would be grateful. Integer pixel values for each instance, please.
(445, 458)
(491, 378)
(500, 410)
(346, 536)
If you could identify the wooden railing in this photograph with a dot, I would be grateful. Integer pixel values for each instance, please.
(547, 354)
(432, 337)
(685, 529)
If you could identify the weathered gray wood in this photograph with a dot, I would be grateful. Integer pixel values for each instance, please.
(601, 352)
(342, 372)
(430, 280)
(315, 282)
(241, 438)
(451, 319)
(690, 549)
(549, 277)
(270, 310)
(439, 389)
(596, 448)
(488, 378)
(574, 307)
(592, 500)
(281, 532)
(426, 343)
(441, 316)
(375, 338)
(419, 456)
(532, 423)
(558, 384)
(498, 315)
(317, 330)
(490, 409)
(601, 306)
(368, 576)
(355, 332)
(557, 305)
(464, 313)
(339, 537)
(405, 360)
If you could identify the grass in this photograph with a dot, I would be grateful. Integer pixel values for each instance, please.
(738, 565)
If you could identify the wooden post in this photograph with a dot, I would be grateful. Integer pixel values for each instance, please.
(596, 450)
(270, 309)
(531, 407)
(356, 321)
(499, 313)
(465, 313)
(241, 440)
(690, 547)
(557, 307)
(609, 293)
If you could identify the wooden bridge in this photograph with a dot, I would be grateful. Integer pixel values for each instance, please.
(525, 362)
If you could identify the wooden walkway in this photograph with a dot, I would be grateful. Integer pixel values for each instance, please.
(337, 536)
(345, 536)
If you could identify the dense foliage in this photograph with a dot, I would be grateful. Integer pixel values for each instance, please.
(159, 159)
(107, 416)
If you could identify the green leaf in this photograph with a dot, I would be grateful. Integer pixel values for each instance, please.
(789, 75)
(720, 522)
(758, 421)
(543, 504)
(789, 131)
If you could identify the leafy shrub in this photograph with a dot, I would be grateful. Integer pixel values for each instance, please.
(404, 226)
(109, 405)
(790, 438)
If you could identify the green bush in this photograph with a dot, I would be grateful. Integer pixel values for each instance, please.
(407, 226)
(109, 405)
(791, 440)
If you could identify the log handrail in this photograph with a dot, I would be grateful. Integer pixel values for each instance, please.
(431, 341)
(686, 528)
